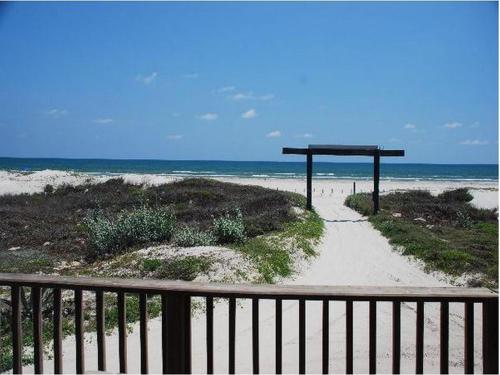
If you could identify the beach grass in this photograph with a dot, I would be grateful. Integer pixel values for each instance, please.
(444, 231)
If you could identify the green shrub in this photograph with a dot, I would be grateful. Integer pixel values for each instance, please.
(458, 195)
(151, 265)
(48, 189)
(184, 268)
(361, 203)
(130, 227)
(188, 237)
(230, 228)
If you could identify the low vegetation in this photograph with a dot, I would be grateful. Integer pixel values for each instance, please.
(445, 231)
(106, 229)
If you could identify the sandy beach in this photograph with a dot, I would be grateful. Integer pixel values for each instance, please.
(351, 253)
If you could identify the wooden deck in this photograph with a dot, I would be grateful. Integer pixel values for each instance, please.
(176, 319)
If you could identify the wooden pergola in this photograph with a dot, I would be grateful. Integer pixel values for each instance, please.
(344, 150)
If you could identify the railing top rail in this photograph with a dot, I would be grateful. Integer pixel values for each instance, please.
(264, 291)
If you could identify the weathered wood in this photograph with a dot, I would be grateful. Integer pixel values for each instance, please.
(309, 181)
(178, 333)
(210, 335)
(396, 337)
(469, 338)
(490, 336)
(36, 300)
(232, 334)
(80, 353)
(122, 332)
(420, 339)
(340, 151)
(349, 338)
(376, 182)
(373, 337)
(255, 335)
(100, 328)
(268, 291)
(444, 338)
(17, 330)
(57, 322)
(326, 336)
(279, 336)
(164, 333)
(143, 317)
(302, 336)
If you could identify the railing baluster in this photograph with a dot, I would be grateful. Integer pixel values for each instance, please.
(326, 335)
(255, 334)
(278, 335)
(80, 355)
(164, 335)
(444, 338)
(396, 337)
(210, 335)
(373, 337)
(302, 336)
(17, 330)
(490, 336)
(101, 334)
(349, 338)
(122, 332)
(232, 333)
(420, 338)
(143, 312)
(57, 321)
(178, 333)
(36, 300)
(469, 338)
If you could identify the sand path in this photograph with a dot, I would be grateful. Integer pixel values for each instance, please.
(351, 253)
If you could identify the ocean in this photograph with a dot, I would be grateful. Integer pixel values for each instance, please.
(258, 169)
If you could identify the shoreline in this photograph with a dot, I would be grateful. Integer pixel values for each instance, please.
(485, 192)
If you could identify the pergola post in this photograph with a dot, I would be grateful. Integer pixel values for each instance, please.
(309, 180)
(376, 181)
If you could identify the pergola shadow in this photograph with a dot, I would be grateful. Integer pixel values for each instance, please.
(344, 150)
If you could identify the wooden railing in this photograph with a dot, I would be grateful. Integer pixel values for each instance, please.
(176, 320)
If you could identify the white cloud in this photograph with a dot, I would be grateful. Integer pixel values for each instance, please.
(208, 116)
(147, 79)
(274, 134)
(474, 142)
(475, 125)
(226, 89)
(103, 120)
(251, 113)
(305, 135)
(251, 96)
(191, 75)
(56, 113)
(410, 126)
(175, 114)
(452, 125)
(174, 137)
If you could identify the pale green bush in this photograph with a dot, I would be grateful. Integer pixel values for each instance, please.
(188, 237)
(130, 227)
(230, 228)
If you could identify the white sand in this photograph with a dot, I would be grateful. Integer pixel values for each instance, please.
(351, 253)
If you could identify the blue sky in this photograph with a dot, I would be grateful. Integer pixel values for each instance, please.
(227, 81)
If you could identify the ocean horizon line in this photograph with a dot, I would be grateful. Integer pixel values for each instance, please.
(255, 169)
(241, 161)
